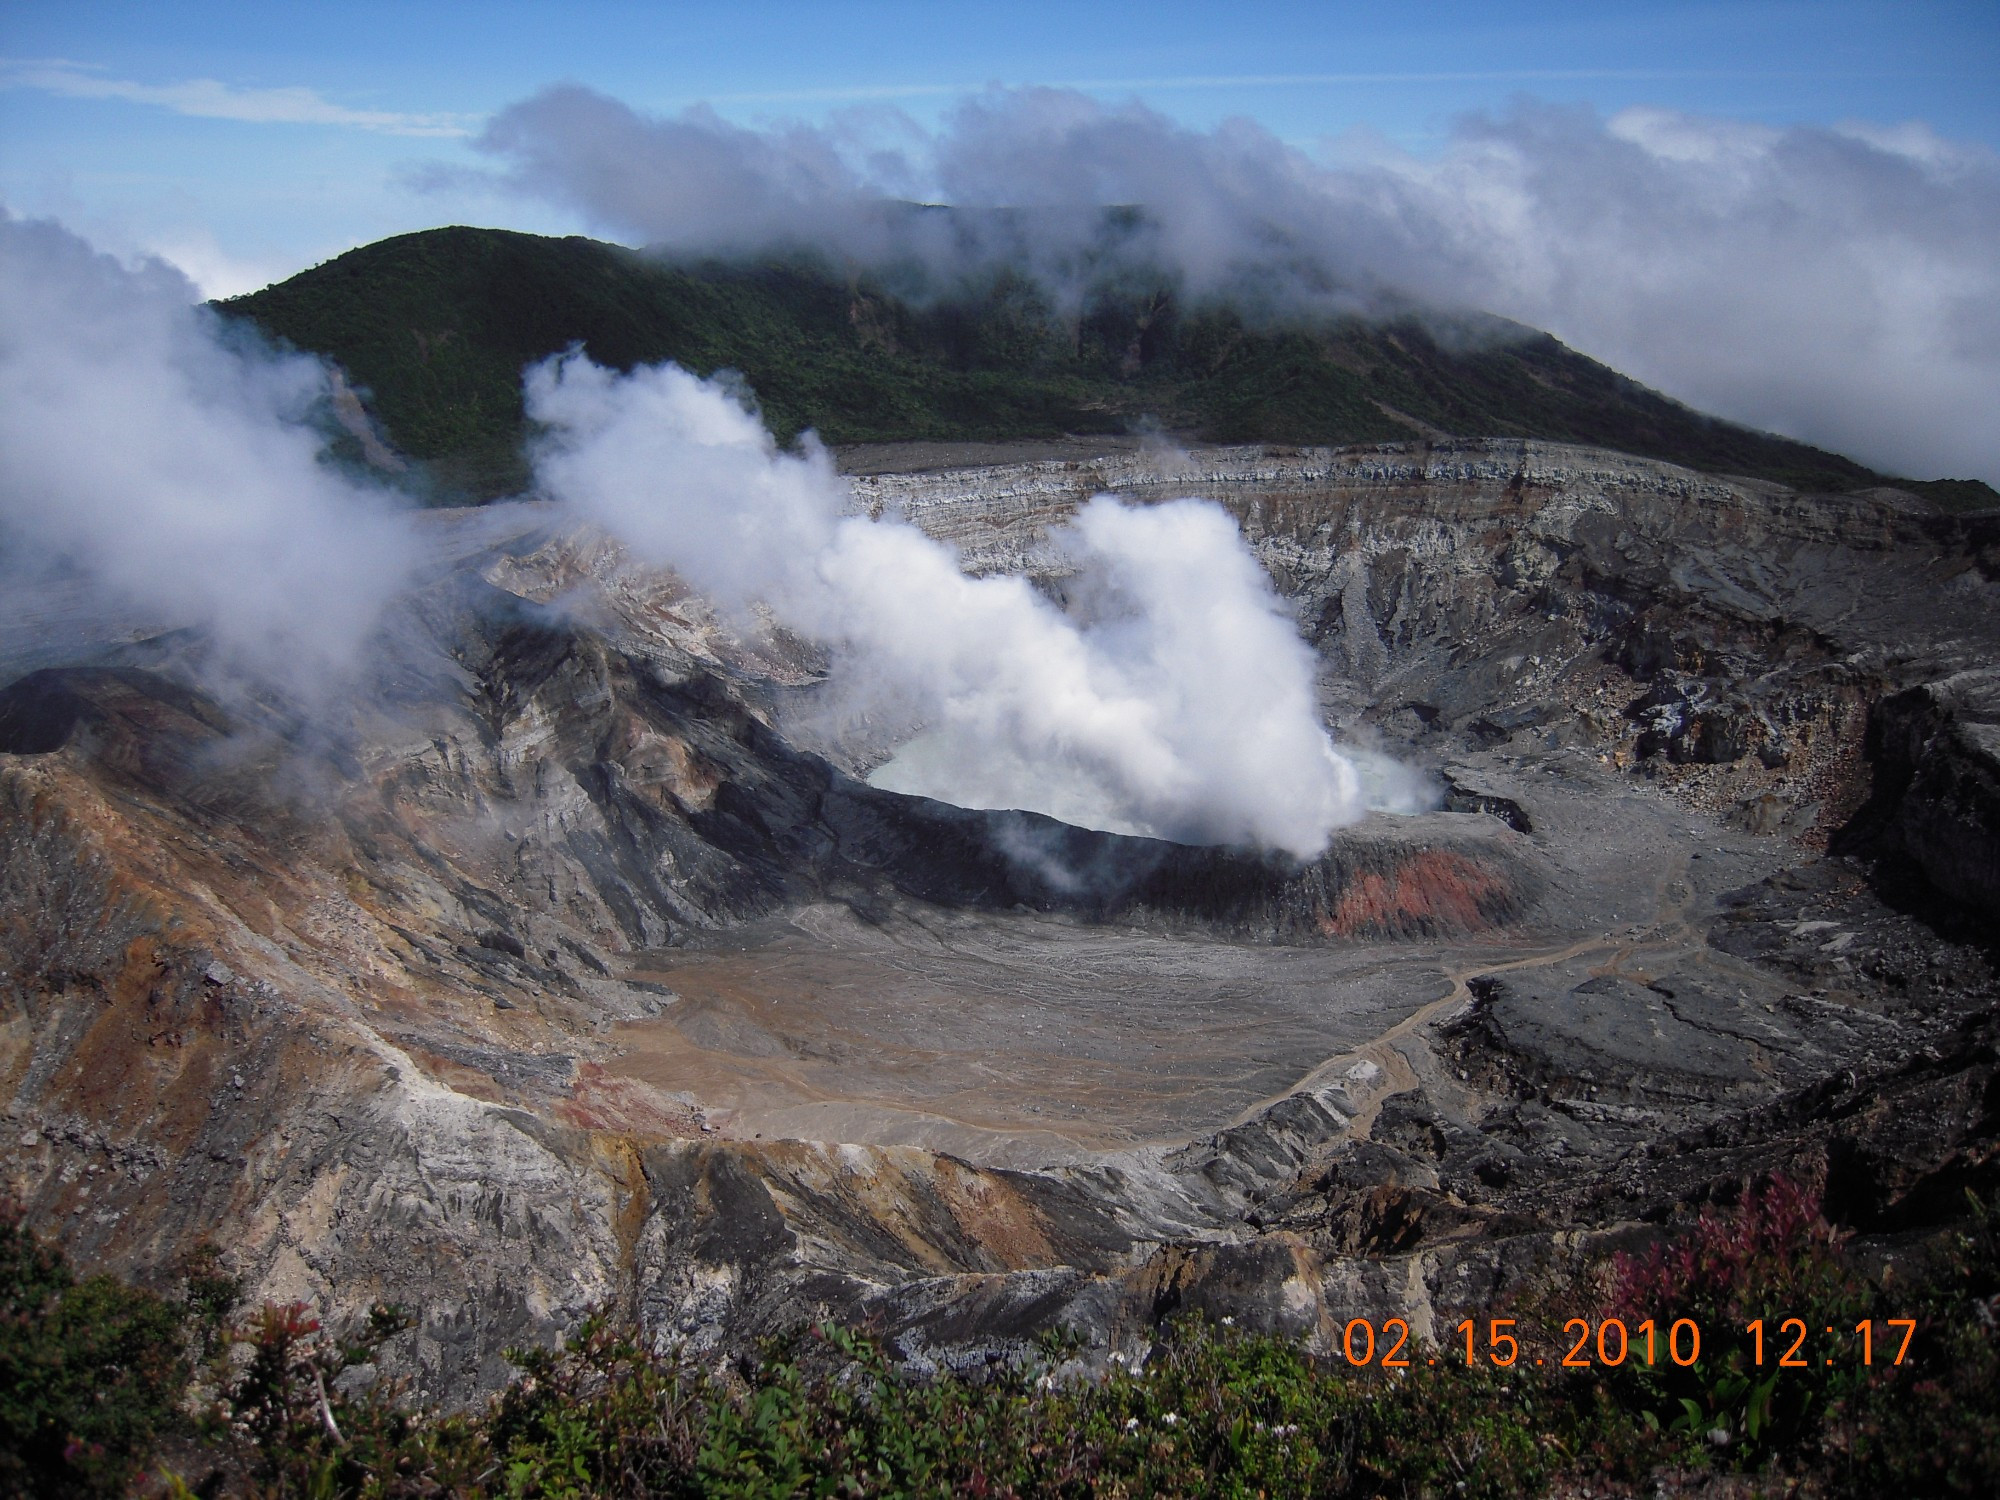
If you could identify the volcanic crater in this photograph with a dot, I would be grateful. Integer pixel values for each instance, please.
(570, 961)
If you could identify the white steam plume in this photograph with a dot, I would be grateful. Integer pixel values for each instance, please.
(159, 460)
(1835, 285)
(1176, 701)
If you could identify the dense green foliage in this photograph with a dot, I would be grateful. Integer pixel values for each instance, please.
(93, 1373)
(437, 326)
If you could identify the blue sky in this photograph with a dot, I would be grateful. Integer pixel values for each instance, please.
(248, 140)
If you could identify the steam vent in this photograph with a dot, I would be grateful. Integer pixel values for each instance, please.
(571, 959)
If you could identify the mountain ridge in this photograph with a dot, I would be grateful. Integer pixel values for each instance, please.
(434, 327)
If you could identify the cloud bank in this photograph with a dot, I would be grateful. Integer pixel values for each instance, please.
(153, 458)
(1174, 698)
(1837, 286)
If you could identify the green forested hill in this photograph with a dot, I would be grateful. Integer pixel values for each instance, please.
(435, 327)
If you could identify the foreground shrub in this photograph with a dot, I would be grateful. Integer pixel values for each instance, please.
(1213, 1411)
(825, 1413)
(1863, 1423)
(1770, 1260)
(1932, 1425)
(91, 1373)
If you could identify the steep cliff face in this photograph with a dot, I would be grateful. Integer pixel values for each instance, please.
(1936, 799)
(1726, 637)
(568, 963)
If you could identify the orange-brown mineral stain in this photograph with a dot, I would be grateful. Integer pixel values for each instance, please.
(1432, 891)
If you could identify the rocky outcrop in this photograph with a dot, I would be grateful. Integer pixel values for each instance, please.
(1936, 804)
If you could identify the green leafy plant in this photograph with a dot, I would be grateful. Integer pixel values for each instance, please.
(97, 1372)
(1771, 1258)
(91, 1372)
(1931, 1425)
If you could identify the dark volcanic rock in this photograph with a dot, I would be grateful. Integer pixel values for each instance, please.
(1936, 802)
(1618, 1037)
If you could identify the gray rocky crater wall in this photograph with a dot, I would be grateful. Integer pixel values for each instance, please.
(570, 980)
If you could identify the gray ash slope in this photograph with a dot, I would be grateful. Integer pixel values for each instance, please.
(572, 965)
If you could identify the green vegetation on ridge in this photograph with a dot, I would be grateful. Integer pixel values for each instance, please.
(435, 328)
(99, 1380)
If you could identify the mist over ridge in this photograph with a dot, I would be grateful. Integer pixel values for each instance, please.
(1112, 227)
(436, 327)
(1834, 286)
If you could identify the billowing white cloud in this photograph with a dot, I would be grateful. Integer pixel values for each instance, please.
(1175, 697)
(684, 473)
(693, 181)
(172, 469)
(1835, 285)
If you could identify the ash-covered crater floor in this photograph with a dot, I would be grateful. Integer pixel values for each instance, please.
(1024, 1038)
(570, 962)
(1010, 1039)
